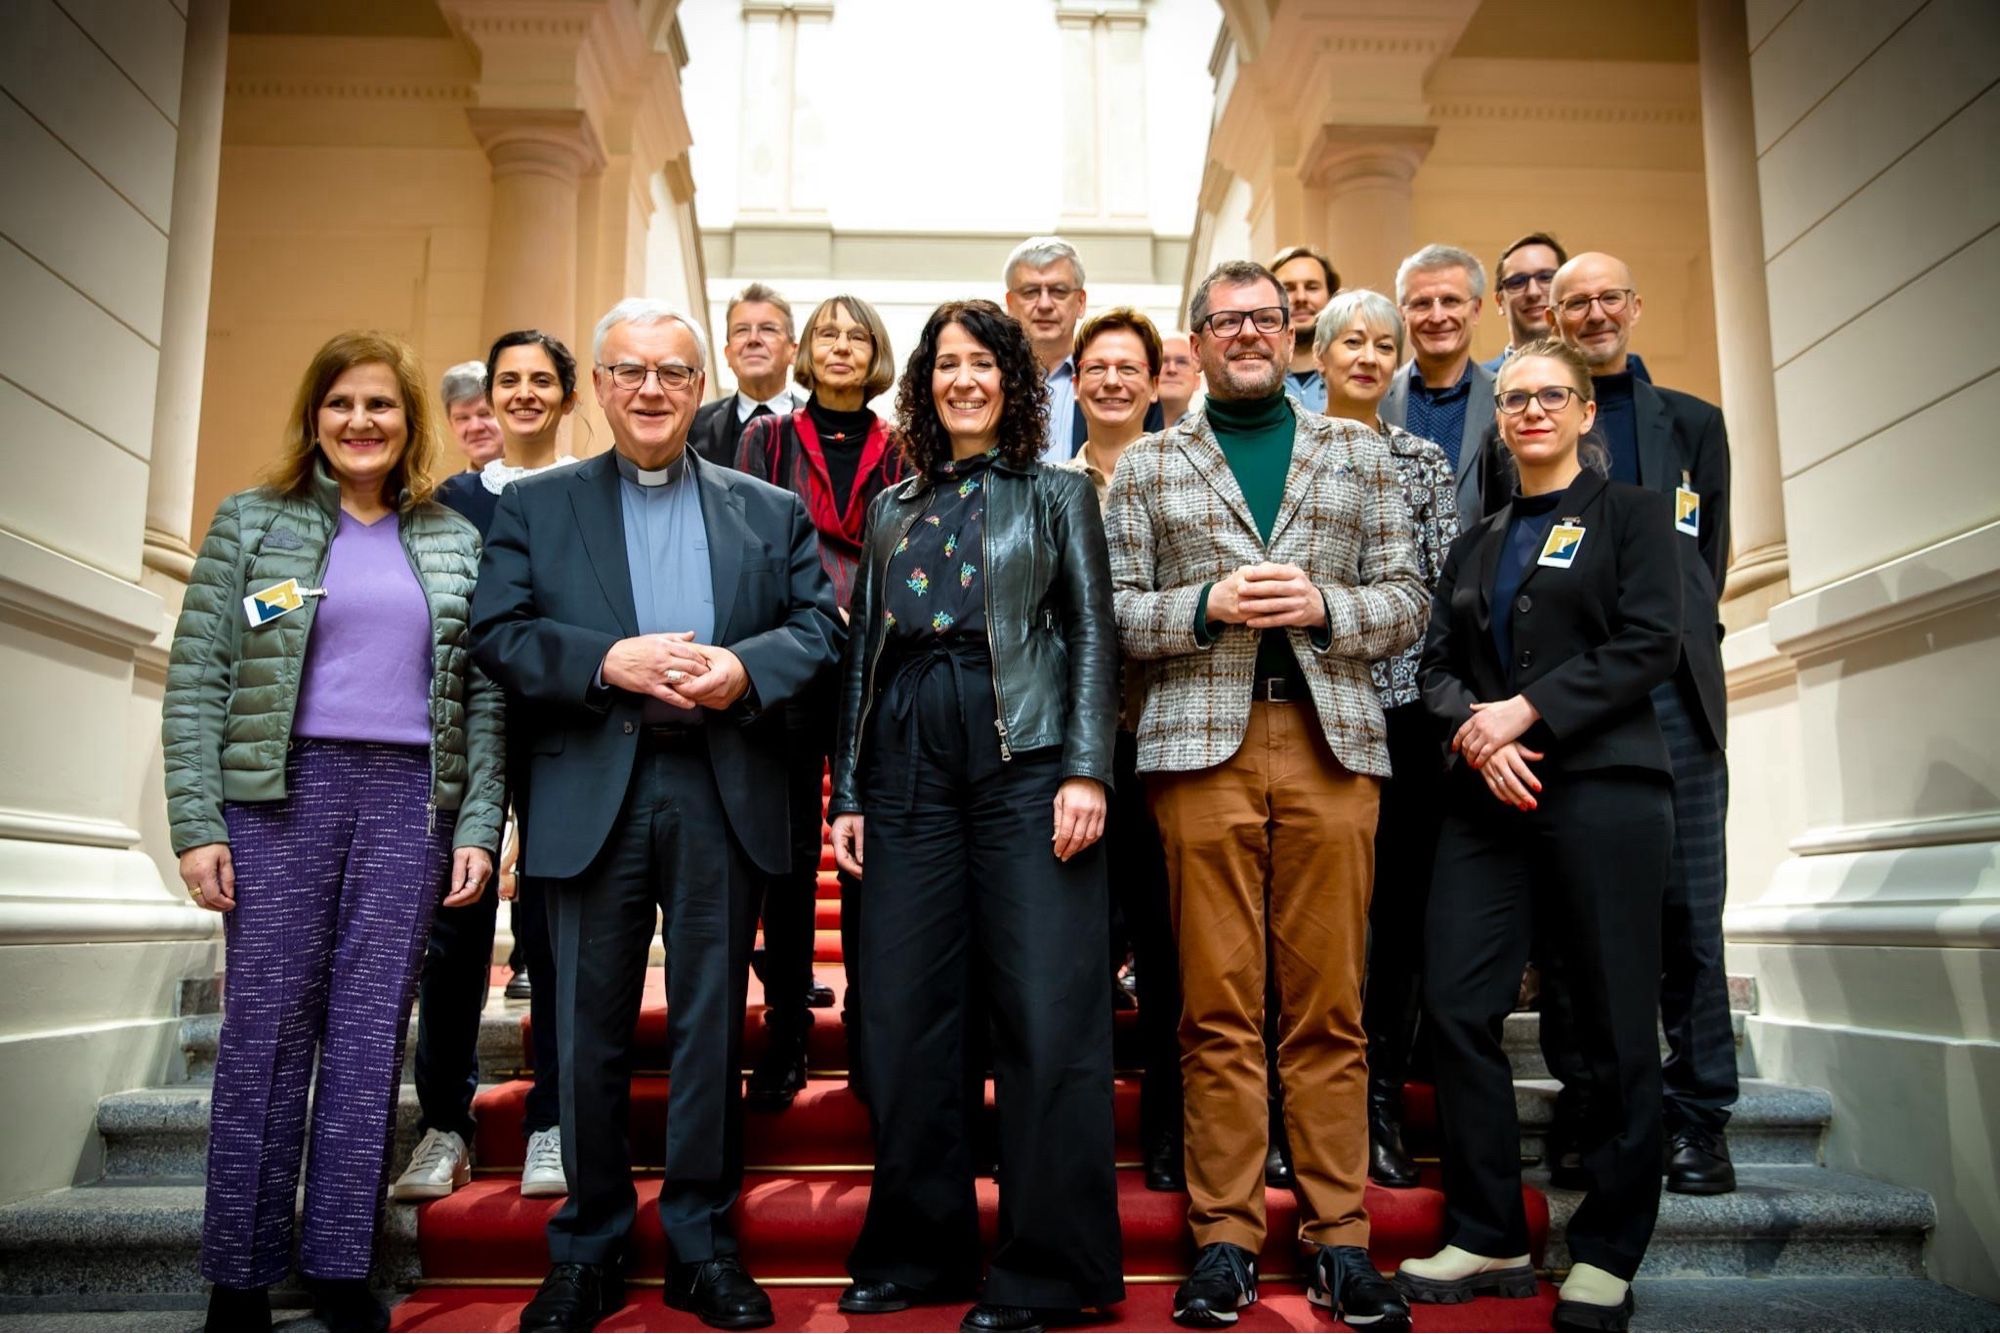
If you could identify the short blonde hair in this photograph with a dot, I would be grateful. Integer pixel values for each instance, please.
(881, 366)
(412, 480)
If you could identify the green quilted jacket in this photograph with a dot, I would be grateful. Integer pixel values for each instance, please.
(232, 690)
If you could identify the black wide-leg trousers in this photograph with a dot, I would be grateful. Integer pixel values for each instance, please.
(1405, 845)
(963, 894)
(1591, 861)
(1138, 875)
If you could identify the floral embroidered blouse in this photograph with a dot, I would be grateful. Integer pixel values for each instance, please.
(935, 587)
(1429, 491)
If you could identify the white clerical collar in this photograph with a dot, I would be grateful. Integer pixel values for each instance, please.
(651, 477)
(780, 403)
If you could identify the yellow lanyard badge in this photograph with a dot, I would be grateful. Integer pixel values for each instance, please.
(1565, 540)
(268, 604)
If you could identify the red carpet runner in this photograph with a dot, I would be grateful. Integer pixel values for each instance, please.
(484, 1249)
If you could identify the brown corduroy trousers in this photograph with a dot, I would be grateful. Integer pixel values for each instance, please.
(1277, 843)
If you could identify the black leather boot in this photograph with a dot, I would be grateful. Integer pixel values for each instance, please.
(780, 1074)
(1389, 1162)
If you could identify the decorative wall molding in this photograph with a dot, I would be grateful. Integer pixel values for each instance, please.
(92, 922)
(1563, 113)
(78, 597)
(1888, 835)
(1750, 662)
(45, 827)
(1941, 893)
(1936, 581)
(359, 89)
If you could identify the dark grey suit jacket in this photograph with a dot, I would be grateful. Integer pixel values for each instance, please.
(1469, 475)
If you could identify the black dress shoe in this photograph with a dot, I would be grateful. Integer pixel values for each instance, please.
(348, 1306)
(778, 1077)
(1698, 1163)
(574, 1297)
(239, 1309)
(1345, 1281)
(878, 1297)
(1278, 1164)
(519, 987)
(1224, 1281)
(719, 1292)
(1166, 1166)
(986, 1318)
(1590, 1316)
(1388, 1161)
(819, 996)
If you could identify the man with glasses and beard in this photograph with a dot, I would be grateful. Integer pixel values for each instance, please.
(1261, 558)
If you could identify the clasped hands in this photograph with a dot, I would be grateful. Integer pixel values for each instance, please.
(1490, 742)
(673, 668)
(1267, 596)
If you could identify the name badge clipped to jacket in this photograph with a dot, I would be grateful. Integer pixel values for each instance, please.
(1565, 540)
(268, 604)
(1687, 508)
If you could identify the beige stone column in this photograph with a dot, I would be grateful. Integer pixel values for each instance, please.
(184, 312)
(539, 160)
(1742, 307)
(1364, 173)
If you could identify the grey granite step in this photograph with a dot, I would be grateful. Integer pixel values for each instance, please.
(1777, 1124)
(163, 1132)
(501, 1043)
(1780, 1222)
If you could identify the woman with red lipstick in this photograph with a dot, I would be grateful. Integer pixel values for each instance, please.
(1553, 621)
(1358, 342)
(334, 775)
(835, 455)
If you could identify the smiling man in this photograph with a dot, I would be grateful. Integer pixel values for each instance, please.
(1261, 558)
(1441, 394)
(1309, 282)
(1045, 294)
(1521, 283)
(759, 345)
(648, 614)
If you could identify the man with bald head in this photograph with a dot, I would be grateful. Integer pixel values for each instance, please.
(1674, 443)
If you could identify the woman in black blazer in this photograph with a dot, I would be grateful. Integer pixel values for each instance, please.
(1553, 620)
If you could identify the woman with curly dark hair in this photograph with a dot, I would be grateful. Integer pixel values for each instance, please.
(979, 699)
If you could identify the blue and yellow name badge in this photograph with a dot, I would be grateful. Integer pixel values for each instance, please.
(1687, 509)
(1565, 540)
(268, 604)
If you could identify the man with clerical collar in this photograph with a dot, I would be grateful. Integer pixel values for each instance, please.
(1261, 559)
(1677, 444)
(649, 613)
(759, 344)
(1442, 394)
(1309, 281)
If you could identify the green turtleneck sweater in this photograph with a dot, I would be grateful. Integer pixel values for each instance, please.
(1256, 439)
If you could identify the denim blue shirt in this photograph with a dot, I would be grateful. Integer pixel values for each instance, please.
(666, 550)
(1307, 389)
(1062, 412)
(1438, 415)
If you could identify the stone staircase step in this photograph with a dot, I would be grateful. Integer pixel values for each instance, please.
(1521, 1037)
(1774, 1124)
(1780, 1222)
(501, 1036)
(163, 1132)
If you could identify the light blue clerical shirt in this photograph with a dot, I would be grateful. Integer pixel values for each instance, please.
(666, 550)
(1307, 389)
(1062, 412)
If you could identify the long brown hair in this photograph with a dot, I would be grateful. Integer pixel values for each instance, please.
(413, 474)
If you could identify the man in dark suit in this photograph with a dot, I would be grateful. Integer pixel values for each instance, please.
(1678, 445)
(1441, 393)
(759, 344)
(649, 615)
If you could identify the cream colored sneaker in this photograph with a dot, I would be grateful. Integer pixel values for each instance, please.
(1456, 1275)
(1593, 1299)
(440, 1165)
(542, 1170)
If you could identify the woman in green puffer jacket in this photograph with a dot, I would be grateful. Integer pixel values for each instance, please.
(334, 772)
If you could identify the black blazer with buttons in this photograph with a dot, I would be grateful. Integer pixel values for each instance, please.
(1590, 641)
(555, 593)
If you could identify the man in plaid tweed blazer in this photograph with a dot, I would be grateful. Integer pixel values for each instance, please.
(1261, 558)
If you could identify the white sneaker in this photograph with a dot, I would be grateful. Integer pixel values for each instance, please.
(440, 1165)
(542, 1171)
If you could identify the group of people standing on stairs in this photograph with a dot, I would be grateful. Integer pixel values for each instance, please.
(1388, 680)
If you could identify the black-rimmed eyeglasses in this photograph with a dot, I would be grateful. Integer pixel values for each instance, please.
(1552, 397)
(1229, 323)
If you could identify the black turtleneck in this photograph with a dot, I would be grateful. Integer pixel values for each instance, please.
(841, 437)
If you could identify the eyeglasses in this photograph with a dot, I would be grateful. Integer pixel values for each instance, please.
(1518, 282)
(1033, 292)
(1610, 302)
(827, 336)
(1444, 305)
(1097, 372)
(631, 375)
(1177, 363)
(1552, 397)
(1229, 323)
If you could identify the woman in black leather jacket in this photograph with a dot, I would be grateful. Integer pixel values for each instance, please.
(978, 707)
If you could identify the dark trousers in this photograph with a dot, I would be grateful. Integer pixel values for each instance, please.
(335, 887)
(789, 898)
(532, 938)
(1591, 862)
(1139, 887)
(1405, 845)
(458, 964)
(1699, 1082)
(962, 892)
(669, 852)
